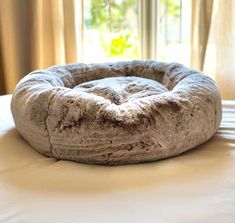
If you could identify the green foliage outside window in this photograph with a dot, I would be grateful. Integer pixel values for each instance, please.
(173, 7)
(117, 36)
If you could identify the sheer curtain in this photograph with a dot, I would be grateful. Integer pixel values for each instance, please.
(201, 22)
(213, 42)
(35, 34)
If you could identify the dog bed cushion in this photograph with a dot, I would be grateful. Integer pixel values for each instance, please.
(116, 113)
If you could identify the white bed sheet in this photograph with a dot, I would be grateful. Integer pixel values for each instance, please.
(197, 186)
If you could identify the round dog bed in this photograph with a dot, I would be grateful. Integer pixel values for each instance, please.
(116, 113)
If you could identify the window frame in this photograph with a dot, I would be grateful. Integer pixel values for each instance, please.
(148, 23)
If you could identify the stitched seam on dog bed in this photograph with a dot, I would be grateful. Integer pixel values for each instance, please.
(46, 126)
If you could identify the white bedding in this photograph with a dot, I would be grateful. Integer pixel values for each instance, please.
(198, 186)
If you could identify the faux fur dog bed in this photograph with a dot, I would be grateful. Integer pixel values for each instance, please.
(116, 113)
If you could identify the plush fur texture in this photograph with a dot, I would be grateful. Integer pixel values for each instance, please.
(116, 113)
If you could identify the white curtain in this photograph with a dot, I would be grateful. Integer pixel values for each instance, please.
(213, 42)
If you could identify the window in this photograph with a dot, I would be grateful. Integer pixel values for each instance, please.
(174, 31)
(135, 29)
(111, 30)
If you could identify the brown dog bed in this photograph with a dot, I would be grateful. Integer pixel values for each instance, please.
(116, 113)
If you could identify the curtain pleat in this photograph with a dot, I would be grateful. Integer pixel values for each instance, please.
(71, 32)
(201, 22)
(2, 79)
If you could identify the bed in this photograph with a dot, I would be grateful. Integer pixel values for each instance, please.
(197, 186)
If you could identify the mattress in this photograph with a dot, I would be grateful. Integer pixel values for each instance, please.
(197, 186)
